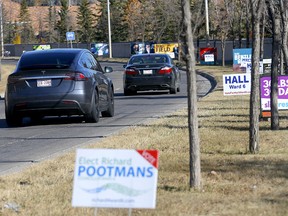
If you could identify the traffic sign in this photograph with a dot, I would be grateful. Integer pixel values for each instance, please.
(70, 36)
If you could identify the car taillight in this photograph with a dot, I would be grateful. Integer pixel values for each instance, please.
(12, 79)
(165, 70)
(131, 72)
(77, 76)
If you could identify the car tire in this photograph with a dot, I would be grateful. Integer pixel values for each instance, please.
(173, 90)
(94, 115)
(129, 92)
(13, 120)
(36, 118)
(110, 111)
(178, 88)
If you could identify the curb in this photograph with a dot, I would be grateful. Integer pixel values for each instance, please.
(211, 79)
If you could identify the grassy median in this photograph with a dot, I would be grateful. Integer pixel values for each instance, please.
(234, 182)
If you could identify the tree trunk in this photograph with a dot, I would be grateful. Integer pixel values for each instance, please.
(195, 168)
(256, 9)
(276, 49)
(263, 22)
(223, 52)
(284, 17)
(247, 24)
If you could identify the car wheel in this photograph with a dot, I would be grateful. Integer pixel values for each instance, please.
(173, 90)
(110, 111)
(129, 92)
(178, 88)
(13, 120)
(36, 118)
(94, 115)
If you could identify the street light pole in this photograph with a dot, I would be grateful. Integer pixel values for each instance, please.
(109, 29)
(1, 24)
(2, 40)
(207, 21)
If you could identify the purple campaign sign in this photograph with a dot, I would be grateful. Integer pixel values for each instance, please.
(265, 85)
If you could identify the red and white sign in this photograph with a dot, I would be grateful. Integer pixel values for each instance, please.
(115, 178)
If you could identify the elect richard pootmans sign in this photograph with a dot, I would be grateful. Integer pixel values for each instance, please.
(112, 178)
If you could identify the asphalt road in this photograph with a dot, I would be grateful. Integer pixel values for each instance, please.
(23, 146)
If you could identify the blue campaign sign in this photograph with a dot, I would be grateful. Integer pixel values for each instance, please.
(70, 36)
(241, 59)
(241, 56)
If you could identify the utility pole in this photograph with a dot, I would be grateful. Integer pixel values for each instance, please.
(109, 29)
(207, 22)
(2, 40)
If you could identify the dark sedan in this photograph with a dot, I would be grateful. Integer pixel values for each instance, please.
(151, 72)
(58, 82)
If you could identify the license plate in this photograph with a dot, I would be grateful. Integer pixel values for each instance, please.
(44, 83)
(147, 72)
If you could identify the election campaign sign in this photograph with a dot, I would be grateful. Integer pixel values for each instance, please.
(265, 90)
(111, 178)
(249, 67)
(167, 48)
(208, 55)
(241, 57)
(237, 84)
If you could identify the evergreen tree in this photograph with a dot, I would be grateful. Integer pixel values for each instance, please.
(25, 27)
(62, 24)
(101, 29)
(85, 22)
(51, 21)
(8, 26)
(119, 29)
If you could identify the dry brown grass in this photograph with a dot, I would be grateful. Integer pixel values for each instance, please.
(234, 181)
(5, 71)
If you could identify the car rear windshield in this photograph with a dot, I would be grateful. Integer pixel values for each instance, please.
(148, 59)
(46, 60)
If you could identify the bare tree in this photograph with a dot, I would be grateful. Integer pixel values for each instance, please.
(248, 26)
(195, 168)
(235, 10)
(257, 8)
(221, 24)
(284, 18)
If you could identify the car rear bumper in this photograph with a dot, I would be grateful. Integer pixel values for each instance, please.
(72, 104)
(148, 83)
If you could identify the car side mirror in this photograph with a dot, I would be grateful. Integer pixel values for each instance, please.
(108, 69)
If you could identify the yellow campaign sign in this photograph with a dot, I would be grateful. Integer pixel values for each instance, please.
(164, 48)
(17, 39)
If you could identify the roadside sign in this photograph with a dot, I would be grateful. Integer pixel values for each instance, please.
(265, 90)
(70, 36)
(237, 84)
(112, 178)
(208, 55)
(241, 57)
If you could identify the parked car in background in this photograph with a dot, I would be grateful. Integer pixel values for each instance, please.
(151, 72)
(58, 82)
